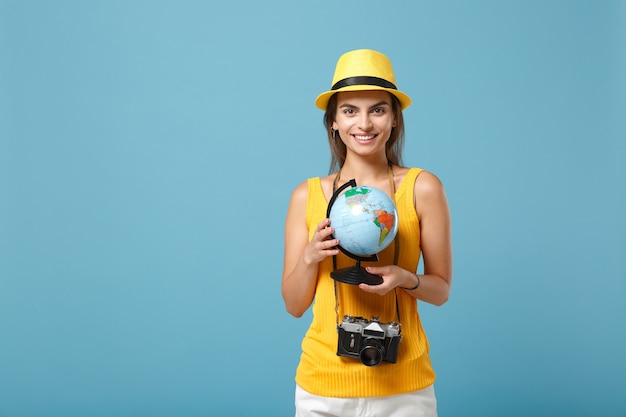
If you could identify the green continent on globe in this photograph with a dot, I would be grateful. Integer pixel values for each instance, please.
(356, 196)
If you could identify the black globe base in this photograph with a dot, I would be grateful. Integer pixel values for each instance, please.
(356, 275)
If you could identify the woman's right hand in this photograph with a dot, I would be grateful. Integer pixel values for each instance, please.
(322, 245)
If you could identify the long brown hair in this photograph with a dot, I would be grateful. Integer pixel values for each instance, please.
(394, 145)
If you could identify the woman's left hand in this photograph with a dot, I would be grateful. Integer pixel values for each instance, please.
(393, 276)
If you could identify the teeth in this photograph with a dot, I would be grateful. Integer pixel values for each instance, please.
(368, 137)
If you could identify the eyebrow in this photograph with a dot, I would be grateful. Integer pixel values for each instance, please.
(380, 103)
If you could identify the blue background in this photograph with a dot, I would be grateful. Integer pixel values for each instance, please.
(149, 148)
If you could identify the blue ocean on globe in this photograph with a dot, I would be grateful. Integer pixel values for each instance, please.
(365, 220)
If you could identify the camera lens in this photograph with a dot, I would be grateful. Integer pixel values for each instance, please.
(372, 352)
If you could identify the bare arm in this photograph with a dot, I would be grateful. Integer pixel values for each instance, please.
(302, 258)
(436, 242)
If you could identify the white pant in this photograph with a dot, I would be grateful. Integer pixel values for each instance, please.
(420, 403)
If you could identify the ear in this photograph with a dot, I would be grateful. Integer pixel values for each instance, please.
(334, 126)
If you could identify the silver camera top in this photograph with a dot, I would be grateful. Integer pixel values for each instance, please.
(371, 328)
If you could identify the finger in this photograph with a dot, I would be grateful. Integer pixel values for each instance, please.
(374, 289)
(331, 243)
(326, 232)
(323, 224)
(321, 235)
(332, 251)
(377, 270)
(367, 288)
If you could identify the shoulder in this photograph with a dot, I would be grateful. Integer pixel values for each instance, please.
(300, 194)
(429, 192)
(296, 212)
(427, 183)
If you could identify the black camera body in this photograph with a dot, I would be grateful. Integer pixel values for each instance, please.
(370, 341)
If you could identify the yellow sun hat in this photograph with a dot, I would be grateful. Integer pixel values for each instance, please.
(363, 70)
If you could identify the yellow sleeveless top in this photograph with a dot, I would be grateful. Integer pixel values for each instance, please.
(321, 371)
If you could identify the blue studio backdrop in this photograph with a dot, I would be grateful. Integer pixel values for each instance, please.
(148, 150)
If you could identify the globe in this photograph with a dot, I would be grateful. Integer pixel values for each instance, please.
(365, 220)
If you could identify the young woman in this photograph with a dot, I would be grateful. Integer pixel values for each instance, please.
(365, 127)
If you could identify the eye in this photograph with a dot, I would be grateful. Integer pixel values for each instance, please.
(379, 110)
(348, 111)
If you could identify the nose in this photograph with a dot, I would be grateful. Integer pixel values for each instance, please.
(365, 122)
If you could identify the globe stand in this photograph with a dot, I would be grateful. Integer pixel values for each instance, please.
(356, 275)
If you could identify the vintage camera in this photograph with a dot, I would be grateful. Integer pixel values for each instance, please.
(368, 340)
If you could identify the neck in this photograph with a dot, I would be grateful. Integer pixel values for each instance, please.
(380, 179)
(365, 172)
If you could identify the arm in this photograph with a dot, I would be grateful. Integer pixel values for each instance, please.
(302, 258)
(435, 231)
(436, 242)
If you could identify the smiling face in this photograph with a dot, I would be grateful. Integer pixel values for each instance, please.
(338, 150)
(364, 121)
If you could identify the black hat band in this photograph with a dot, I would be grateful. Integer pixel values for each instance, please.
(363, 80)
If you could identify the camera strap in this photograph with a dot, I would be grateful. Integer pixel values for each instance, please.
(396, 244)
